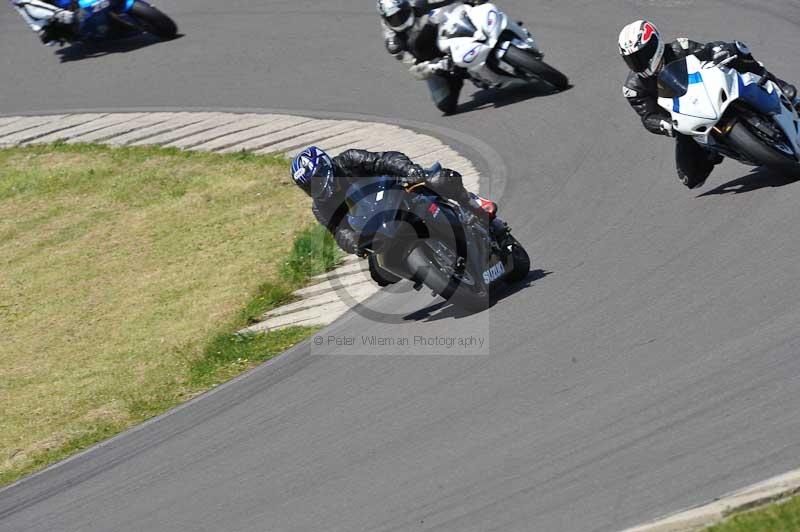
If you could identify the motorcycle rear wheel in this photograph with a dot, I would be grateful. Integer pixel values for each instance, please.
(152, 21)
(527, 62)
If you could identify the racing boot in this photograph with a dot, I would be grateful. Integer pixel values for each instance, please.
(64, 27)
(715, 158)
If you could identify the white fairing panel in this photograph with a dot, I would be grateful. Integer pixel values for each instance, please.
(472, 51)
(711, 90)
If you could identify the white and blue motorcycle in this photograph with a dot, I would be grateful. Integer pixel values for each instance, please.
(493, 49)
(740, 116)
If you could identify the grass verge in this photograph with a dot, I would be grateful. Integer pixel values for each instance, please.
(124, 275)
(783, 516)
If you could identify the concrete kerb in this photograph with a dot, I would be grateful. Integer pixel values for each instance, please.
(695, 519)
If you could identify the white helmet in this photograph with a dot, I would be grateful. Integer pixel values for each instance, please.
(642, 47)
(398, 14)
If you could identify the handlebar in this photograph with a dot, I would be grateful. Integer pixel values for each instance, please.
(724, 62)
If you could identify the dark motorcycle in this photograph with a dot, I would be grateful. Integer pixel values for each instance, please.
(418, 235)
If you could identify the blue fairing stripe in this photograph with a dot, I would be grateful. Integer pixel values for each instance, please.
(694, 79)
(759, 98)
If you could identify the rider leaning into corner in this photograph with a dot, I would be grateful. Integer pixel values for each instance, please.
(51, 19)
(410, 27)
(645, 52)
(326, 179)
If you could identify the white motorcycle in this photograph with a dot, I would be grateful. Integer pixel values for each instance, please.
(494, 50)
(741, 116)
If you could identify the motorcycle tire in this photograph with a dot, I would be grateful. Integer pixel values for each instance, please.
(745, 141)
(527, 62)
(152, 21)
(522, 262)
(471, 298)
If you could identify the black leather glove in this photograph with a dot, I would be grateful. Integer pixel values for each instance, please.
(393, 45)
(449, 173)
(415, 175)
(724, 50)
(659, 124)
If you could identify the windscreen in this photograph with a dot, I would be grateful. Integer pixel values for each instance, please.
(673, 82)
(458, 26)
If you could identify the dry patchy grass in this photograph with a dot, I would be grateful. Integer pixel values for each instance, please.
(118, 267)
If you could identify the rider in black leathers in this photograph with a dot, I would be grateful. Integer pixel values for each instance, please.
(329, 206)
(327, 181)
(419, 40)
(694, 164)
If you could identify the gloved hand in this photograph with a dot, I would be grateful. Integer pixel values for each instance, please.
(723, 51)
(422, 71)
(393, 46)
(449, 173)
(416, 175)
(64, 16)
(427, 69)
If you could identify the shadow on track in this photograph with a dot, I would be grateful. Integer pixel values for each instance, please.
(496, 98)
(444, 310)
(91, 50)
(758, 178)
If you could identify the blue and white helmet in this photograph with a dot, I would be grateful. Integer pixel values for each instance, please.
(310, 163)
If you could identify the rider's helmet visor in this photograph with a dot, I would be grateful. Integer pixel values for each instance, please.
(323, 180)
(640, 60)
(400, 17)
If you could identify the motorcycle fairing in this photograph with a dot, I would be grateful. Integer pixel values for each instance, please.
(696, 96)
(474, 50)
(699, 101)
(697, 93)
(126, 5)
(758, 98)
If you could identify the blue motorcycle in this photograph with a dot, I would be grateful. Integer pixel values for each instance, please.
(416, 234)
(103, 20)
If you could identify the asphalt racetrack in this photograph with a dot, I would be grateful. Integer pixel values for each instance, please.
(650, 364)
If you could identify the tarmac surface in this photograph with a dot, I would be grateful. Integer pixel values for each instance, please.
(651, 363)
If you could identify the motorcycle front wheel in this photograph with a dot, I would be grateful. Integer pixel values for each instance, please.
(522, 262)
(150, 20)
(527, 62)
(748, 140)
